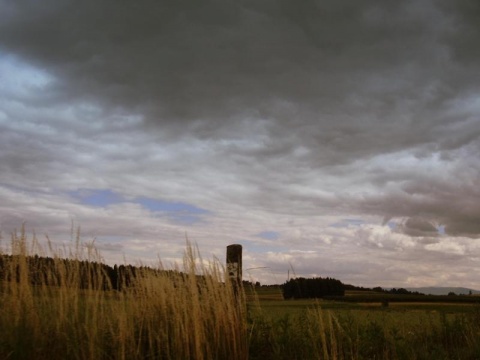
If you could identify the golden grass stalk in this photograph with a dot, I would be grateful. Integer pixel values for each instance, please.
(60, 309)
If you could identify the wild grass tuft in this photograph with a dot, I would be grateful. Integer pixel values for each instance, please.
(66, 312)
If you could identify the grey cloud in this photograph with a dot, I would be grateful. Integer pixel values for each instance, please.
(465, 17)
(213, 61)
(418, 227)
(447, 196)
(275, 108)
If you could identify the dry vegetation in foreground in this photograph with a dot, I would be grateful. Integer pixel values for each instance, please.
(169, 315)
(191, 313)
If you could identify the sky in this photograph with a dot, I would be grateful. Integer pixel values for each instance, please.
(328, 138)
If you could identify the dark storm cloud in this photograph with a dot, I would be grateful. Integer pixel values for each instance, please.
(207, 62)
(465, 15)
(283, 93)
(418, 227)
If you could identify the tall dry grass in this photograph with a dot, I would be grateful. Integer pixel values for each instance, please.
(66, 312)
(187, 313)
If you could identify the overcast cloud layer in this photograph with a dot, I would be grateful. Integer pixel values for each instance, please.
(333, 138)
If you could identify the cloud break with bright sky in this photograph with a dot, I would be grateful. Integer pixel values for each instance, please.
(334, 138)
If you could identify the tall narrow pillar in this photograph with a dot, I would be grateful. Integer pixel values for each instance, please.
(234, 263)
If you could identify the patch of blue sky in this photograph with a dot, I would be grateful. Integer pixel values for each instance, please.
(169, 206)
(20, 77)
(178, 212)
(97, 197)
(347, 223)
(268, 235)
(441, 229)
(392, 225)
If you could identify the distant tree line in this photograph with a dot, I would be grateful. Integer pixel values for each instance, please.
(378, 289)
(402, 291)
(303, 288)
(65, 272)
(251, 284)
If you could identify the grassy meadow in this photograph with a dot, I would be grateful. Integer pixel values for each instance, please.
(323, 329)
(190, 312)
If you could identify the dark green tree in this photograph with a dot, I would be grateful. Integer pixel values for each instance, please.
(302, 288)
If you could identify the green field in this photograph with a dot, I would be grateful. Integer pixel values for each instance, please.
(322, 329)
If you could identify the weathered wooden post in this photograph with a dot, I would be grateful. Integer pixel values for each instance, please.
(238, 323)
(234, 265)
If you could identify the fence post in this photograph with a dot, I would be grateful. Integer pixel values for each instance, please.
(234, 265)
